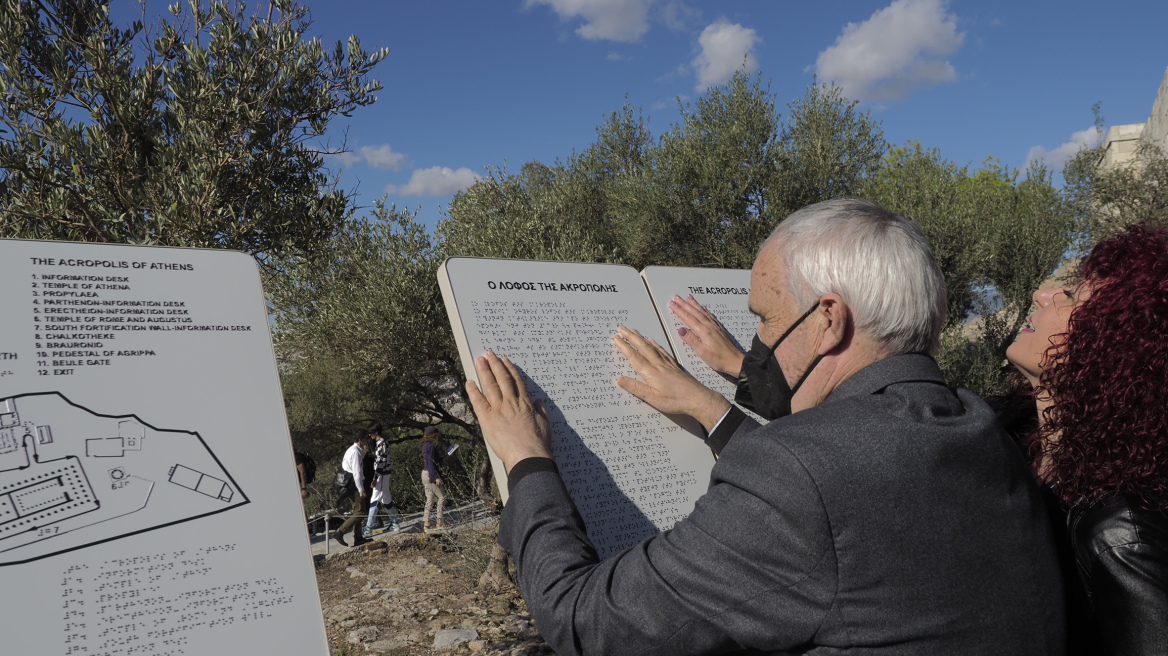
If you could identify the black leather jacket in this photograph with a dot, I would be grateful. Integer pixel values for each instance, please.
(1121, 553)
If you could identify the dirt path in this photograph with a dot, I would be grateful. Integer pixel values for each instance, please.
(412, 593)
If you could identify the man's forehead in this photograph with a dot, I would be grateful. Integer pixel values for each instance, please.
(767, 279)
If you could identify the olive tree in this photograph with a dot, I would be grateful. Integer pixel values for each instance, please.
(198, 131)
(996, 239)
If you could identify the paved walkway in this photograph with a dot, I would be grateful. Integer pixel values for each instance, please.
(471, 514)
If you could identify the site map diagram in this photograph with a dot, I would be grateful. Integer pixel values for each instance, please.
(71, 477)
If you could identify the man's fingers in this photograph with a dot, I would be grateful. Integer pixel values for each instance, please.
(487, 379)
(508, 384)
(634, 387)
(644, 348)
(631, 353)
(478, 402)
(520, 386)
(502, 376)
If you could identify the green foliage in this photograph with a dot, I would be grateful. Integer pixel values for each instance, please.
(995, 238)
(362, 336)
(971, 364)
(706, 193)
(195, 133)
(828, 149)
(543, 213)
(1107, 200)
(367, 305)
(935, 193)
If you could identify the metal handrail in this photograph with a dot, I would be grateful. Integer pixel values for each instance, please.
(327, 529)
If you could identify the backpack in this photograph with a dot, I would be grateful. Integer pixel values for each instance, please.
(343, 483)
(303, 458)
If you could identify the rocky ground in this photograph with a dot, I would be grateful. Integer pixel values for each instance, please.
(412, 593)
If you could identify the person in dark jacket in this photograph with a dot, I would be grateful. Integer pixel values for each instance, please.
(431, 478)
(1097, 358)
(881, 512)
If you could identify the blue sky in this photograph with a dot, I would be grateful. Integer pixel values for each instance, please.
(476, 84)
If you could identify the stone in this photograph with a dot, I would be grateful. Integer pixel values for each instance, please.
(477, 645)
(451, 638)
(422, 561)
(386, 592)
(363, 635)
(386, 645)
(340, 613)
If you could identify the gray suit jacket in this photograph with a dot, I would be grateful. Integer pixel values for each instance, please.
(894, 518)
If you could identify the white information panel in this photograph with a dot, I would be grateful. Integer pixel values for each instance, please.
(724, 292)
(148, 497)
(631, 471)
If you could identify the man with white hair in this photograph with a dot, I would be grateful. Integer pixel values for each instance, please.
(881, 512)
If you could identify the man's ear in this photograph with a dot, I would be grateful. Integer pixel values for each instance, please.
(836, 320)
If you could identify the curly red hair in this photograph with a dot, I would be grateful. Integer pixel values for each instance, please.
(1107, 428)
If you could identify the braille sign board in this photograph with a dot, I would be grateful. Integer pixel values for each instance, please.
(724, 292)
(632, 472)
(149, 502)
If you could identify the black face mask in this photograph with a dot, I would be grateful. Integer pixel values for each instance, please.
(762, 386)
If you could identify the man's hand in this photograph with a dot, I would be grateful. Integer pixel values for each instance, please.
(438, 481)
(514, 427)
(362, 493)
(667, 386)
(707, 336)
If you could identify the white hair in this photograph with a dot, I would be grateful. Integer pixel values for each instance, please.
(878, 261)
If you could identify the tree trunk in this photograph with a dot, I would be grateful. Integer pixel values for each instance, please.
(496, 577)
(483, 482)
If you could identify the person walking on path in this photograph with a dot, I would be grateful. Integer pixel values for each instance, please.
(359, 496)
(431, 478)
(382, 468)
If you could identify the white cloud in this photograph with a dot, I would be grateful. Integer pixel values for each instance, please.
(610, 20)
(898, 49)
(435, 181)
(679, 16)
(616, 57)
(379, 157)
(725, 49)
(1055, 159)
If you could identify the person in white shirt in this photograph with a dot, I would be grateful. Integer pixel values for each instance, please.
(358, 493)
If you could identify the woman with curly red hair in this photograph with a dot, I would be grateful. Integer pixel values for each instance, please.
(1097, 357)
